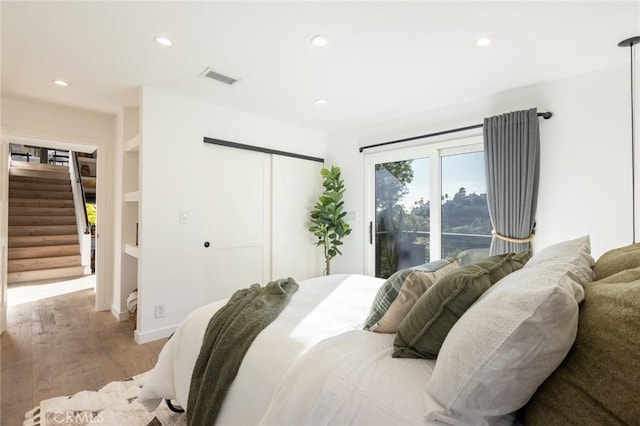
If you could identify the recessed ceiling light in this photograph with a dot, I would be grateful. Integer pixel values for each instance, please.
(321, 101)
(61, 83)
(163, 41)
(320, 40)
(483, 41)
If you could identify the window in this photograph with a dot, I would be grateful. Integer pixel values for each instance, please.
(465, 215)
(403, 186)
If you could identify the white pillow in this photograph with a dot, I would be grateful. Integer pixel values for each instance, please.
(560, 250)
(576, 252)
(500, 351)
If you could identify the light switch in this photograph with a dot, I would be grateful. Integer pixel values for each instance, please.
(184, 217)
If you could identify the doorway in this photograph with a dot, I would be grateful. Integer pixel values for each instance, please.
(36, 241)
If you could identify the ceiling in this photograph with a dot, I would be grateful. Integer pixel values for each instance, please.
(384, 59)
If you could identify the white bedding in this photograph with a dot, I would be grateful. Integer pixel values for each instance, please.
(312, 365)
(321, 308)
(352, 379)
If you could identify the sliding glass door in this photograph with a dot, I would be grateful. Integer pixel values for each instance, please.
(401, 214)
(426, 203)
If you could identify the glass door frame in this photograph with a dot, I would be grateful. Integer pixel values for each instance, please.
(434, 151)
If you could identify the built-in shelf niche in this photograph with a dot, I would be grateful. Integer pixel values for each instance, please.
(132, 250)
(133, 144)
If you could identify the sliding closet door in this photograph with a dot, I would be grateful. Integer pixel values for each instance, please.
(297, 184)
(236, 196)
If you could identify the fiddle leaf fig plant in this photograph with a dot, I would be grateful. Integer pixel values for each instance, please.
(328, 216)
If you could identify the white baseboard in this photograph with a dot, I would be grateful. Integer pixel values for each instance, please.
(120, 316)
(150, 336)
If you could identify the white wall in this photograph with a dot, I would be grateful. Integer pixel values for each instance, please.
(57, 124)
(172, 180)
(585, 172)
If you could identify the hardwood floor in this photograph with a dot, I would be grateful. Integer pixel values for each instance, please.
(59, 346)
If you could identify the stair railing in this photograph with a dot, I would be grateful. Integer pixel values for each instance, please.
(78, 181)
(80, 203)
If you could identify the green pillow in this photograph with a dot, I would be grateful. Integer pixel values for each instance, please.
(617, 260)
(391, 288)
(599, 380)
(424, 329)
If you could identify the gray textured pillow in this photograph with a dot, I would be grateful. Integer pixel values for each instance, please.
(424, 329)
(599, 380)
(391, 288)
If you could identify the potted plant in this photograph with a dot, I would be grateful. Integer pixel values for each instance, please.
(328, 216)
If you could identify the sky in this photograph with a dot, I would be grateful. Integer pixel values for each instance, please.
(462, 170)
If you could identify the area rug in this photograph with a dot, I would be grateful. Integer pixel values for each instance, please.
(115, 404)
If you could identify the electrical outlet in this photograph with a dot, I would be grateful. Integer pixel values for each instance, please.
(159, 311)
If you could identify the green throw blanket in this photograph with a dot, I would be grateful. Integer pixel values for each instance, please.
(229, 335)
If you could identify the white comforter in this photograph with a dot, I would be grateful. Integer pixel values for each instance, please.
(321, 308)
(313, 365)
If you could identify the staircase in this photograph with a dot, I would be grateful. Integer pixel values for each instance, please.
(43, 235)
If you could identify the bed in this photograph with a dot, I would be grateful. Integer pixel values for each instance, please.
(317, 364)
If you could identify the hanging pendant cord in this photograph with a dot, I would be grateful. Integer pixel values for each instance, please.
(633, 146)
(630, 42)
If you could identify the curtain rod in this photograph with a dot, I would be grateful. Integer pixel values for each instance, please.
(545, 115)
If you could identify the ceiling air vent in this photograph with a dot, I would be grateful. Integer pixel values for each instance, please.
(209, 73)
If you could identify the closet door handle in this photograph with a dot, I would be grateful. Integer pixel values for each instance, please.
(206, 244)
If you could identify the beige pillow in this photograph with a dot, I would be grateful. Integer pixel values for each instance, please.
(413, 287)
(391, 287)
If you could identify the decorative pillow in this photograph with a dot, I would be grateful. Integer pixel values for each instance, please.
(577, 252)
(599, 380)
(413, 287)
(391, 288)
(509, 342)
(560, 250)
(617, 260)
(424, 329)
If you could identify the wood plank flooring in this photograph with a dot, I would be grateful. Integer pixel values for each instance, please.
(59, 346)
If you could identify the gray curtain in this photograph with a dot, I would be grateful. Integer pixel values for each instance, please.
(512, 164)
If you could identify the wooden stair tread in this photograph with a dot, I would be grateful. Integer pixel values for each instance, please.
(46, 171)
(41, 211)
(34, 220)
(43, 251)
(32, 264)
(43, 230)
(43, 274)
(38, 166)
(42, 202)
(42, 174)
(37, 186)
(42, 195)
(41, 240)
(39, 180)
